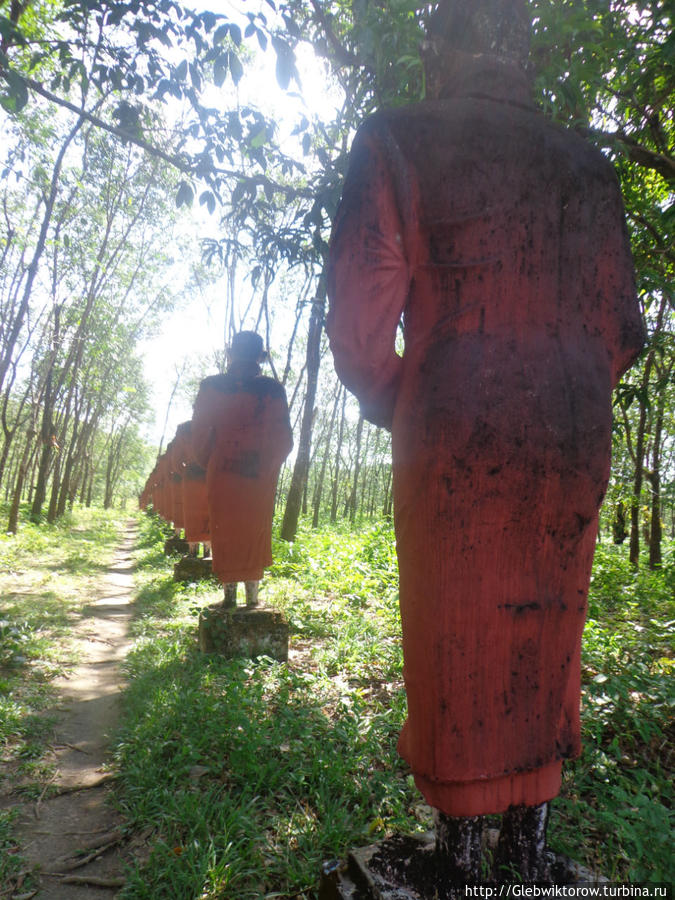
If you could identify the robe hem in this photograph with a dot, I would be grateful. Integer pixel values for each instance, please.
(485, 796)
(238, 575)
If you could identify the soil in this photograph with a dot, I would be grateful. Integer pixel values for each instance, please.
(72, 837)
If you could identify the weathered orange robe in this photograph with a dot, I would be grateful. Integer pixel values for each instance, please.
(160, 494)
(241, 433)
(195, 500)
(175, 482)
(500, 238)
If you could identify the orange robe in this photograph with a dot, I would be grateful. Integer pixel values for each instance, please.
(500, 239)
(241, 433)
(160, 495)
(175, 485)
(195, 500)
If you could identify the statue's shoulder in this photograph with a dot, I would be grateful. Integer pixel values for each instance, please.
(259, 385)
(217, 382)
(268, 387)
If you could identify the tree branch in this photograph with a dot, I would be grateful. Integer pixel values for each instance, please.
(343, 56)
(636, 152)
(175, 161)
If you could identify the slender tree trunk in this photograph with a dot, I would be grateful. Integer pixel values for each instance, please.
(107, 497)
(17, 324)
(47, 436)
(43, 469)
(338, 453)
(318, 491)
(640, 439)
(9, 476)
(56, 486)
(374, 480)
(13, 523)
(32, 465)
(300, 470)
(386, 506)
(619, 533)
(656, 530)
(353, 501)
(7, 444)
(365, 470)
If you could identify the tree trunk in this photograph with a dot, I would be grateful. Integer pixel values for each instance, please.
(387, 505)
(338, 452)
(656, 530)
(634, 551)
(318, 491)
(640, 439)
(619, 532)
(13, 523)
(289, 525)
(17, 324)
(353, 502)
(54, 497)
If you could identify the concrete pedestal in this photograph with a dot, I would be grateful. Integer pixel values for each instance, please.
(403, 868)
(176, 545)
(192, 568)
(243, 631)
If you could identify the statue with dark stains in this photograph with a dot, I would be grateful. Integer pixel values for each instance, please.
(499, 239)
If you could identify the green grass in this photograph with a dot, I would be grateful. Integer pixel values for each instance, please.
(242, 777)
(249, 774)
(47, 573)
(616, 807)
(252, 773)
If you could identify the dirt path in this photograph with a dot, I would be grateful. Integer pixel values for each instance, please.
(59, 832)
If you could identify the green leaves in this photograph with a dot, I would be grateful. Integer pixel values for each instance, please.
(224, 63)
(285, 67)
(207, 199)
(185, 194)
(17, 95)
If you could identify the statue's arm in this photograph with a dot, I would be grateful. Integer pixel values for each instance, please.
(202, 432)
(615, 284)
(281, 433)
(368, 282)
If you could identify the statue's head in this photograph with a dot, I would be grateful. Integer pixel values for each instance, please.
(246, 346)
(499, 29)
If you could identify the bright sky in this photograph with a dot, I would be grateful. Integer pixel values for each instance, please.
(197, 329)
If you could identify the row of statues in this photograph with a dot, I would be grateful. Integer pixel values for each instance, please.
(498, 241)
(217, 479)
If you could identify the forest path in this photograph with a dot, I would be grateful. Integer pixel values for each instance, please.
(57, 833)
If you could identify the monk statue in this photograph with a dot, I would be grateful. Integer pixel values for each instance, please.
(175, 487)
(498, 238)
(241, 435)
(195, 502)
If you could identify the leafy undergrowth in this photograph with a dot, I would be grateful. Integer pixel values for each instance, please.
(616, 807)
(249, 774)
(46, 576)
(253, 773)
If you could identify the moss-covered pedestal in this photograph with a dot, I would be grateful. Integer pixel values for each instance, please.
(192, 568)
(403, 868)
(243, 631)
(176, 545)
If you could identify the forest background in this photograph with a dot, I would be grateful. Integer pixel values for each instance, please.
(135, 132)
